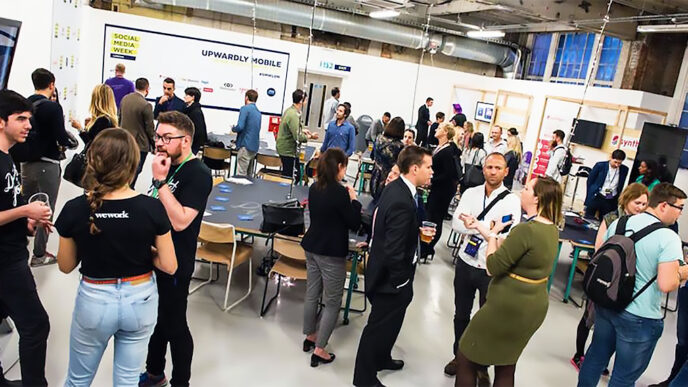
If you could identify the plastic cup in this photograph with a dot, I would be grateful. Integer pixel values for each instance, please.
(40, 197)
(427, 231)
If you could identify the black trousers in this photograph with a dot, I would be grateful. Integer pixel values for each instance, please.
(172, 328)
(467, 279)
(19, 300)
(436, 209)
(380, 333)
(599, 203)
(288, 167)
(142, 160)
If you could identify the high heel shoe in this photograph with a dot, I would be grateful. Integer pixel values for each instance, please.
(308, 345)
(317, 360)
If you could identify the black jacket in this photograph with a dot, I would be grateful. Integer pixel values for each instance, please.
(196, 115)
(50, 120)
(445, 168)
(102, 123)
(422, 125)
(332, 215)
(394, 241)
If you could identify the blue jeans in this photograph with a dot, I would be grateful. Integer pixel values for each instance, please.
(127, 312)
(681, 334)
(681, 379)
(632, 337)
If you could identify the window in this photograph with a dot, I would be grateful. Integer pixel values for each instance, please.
(572, 58)
(609, 57)
(538, 58)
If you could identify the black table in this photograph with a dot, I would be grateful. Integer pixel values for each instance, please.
(582, 238)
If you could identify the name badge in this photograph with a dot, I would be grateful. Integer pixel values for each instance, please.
(473, 245)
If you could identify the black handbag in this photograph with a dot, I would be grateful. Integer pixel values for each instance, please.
(285, 218)
(474, 174)
(75, 169)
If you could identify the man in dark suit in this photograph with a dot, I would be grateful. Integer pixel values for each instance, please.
(136, 116)
(605, 183)
(392, 265)
(423, 123)
(168, 101)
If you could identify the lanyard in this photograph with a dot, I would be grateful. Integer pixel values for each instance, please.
(155, 190)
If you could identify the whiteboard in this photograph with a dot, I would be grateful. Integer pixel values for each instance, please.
(221, 70)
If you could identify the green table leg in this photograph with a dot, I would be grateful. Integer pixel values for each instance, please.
(353, 280)
(576, 253)
(361, 182)
(554, 269)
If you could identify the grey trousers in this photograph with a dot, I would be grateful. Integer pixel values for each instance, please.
(41, 176)
(244, 160)
(326, 276)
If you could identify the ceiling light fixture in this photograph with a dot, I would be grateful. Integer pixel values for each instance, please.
(384, 14)
(650, 28)
(485, 34)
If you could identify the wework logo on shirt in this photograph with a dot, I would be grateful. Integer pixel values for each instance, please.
(115, 215)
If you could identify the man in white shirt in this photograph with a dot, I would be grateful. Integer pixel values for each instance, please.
(330, 107)
(470, 273)
(495, 142)
(605, 183)
(557, 154)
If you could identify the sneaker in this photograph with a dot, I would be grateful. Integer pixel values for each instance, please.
(148, 380)
(577, 361)
(450, 368)
(47, 259)
(606, 372)
(483, 379)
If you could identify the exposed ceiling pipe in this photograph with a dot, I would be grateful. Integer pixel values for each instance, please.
(290, 13)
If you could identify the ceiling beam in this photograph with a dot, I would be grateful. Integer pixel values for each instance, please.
(459, 7)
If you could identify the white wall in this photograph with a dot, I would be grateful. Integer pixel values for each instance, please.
(33, 49)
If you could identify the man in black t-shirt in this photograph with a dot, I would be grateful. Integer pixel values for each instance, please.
(18, 296)
(182, 183)
(44, 174)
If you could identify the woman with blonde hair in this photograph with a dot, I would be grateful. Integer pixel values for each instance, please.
(632, 201)
(110, 232)
(465, 140)
(513, 159)
(103, 114)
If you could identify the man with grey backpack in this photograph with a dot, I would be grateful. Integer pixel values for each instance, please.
(640, 260)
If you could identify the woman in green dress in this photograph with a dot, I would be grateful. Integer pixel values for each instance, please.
(517, 297)
(648, 174)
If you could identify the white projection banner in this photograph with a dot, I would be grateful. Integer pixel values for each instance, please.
(221, 70)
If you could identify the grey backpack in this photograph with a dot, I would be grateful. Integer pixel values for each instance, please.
(610, 279)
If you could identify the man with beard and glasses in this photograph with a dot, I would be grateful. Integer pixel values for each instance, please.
(182, 183)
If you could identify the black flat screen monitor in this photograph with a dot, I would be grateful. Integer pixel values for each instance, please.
(589, 133)
(9, 33)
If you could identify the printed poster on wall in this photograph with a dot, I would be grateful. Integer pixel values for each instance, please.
(221, 70)
(64, 53)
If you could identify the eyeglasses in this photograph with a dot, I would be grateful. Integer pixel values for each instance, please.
(165, 139)
(679, 208)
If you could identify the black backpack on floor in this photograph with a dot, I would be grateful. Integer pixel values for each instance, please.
(609, 280)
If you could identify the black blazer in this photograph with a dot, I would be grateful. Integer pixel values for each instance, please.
(332, 214)
(394, 241)
(422, 125)
(196, 115)
(101, 123)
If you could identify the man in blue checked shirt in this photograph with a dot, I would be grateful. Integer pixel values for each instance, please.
(340, 133)
(248, 129)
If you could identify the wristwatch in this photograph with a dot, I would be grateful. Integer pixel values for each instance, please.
(157, 184)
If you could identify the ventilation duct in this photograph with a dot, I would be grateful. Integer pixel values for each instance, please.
(290, 13)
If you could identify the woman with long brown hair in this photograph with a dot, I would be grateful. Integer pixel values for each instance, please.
(387, 149)
(110, 231)
(517, 300)
(334, 210)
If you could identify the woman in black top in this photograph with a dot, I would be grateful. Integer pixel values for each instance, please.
(446, 161)
(334, 210)
(103, 114)
(111, 231)
(192, 98)
(513, 158)
(387, 148)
